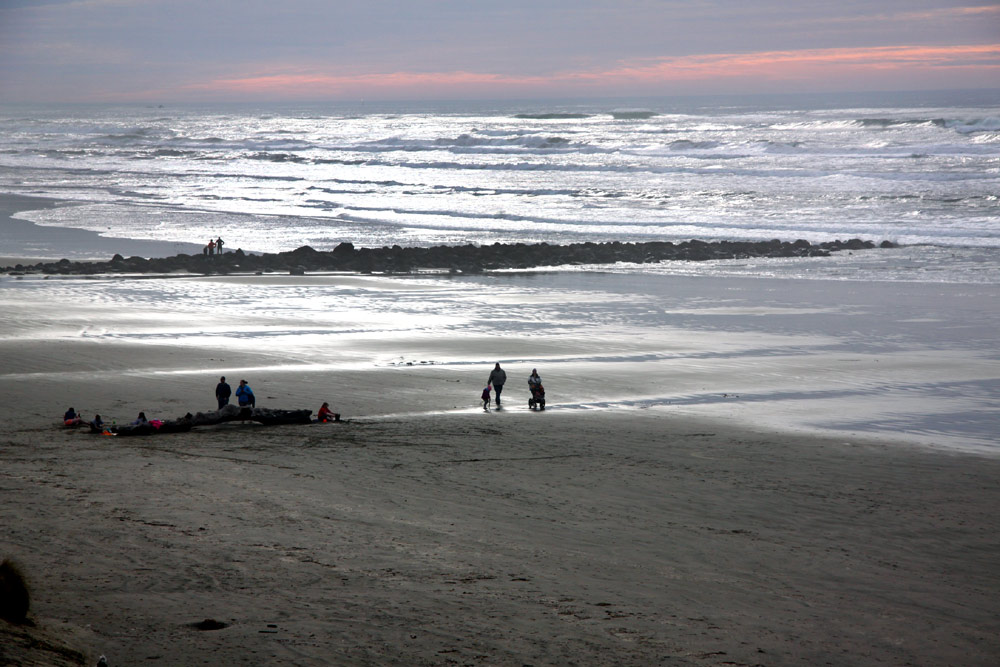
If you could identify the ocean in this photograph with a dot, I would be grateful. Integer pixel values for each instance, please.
(899, 343)
(911, 168)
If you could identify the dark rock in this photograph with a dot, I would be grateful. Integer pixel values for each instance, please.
(209, 624)
(14, 598)
(466, 258)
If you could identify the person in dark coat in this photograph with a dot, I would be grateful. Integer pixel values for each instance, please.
(222, 392)
(497, 378)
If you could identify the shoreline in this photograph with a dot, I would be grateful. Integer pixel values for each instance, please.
(20, 239)
(808, 356)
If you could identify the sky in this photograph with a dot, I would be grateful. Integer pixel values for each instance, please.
(313, 50)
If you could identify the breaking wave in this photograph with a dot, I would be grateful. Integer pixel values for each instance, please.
(552, 116)
(633, 114)
(492, 173)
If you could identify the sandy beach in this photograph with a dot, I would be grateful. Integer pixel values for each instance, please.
(630, 523)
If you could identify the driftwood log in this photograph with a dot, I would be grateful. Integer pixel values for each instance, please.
(228, 413)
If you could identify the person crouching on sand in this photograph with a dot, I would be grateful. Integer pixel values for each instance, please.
(71, 418)
(325, 414)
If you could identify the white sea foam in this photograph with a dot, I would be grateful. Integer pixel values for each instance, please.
(991, 124)
(285, 178)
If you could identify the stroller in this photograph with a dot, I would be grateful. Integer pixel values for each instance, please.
(537, 399)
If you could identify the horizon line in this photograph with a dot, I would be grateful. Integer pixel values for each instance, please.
(499, 99)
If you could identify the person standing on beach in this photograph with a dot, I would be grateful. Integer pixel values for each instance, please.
(497, 378)
(244, 394)
(218, 245)
(222, 392)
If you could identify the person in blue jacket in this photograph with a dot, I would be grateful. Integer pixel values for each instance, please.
(244, 394)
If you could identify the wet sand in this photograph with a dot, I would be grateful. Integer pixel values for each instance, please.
(415, 534)
(23, 242)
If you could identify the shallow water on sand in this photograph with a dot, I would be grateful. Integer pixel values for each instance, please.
(912, 361)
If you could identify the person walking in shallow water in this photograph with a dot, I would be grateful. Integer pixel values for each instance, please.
(222, 392)
(497, 378)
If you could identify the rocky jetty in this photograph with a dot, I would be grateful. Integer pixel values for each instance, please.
(456, 259)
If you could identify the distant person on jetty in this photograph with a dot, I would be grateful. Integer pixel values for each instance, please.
(325, 414)
(218, 245)
(497, 378)
(222, 392)
(71, 418)
(244, 394)
(211, 246)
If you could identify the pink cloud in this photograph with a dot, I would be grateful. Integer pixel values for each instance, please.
(794, 64)
(950, 12)
(707, 69)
